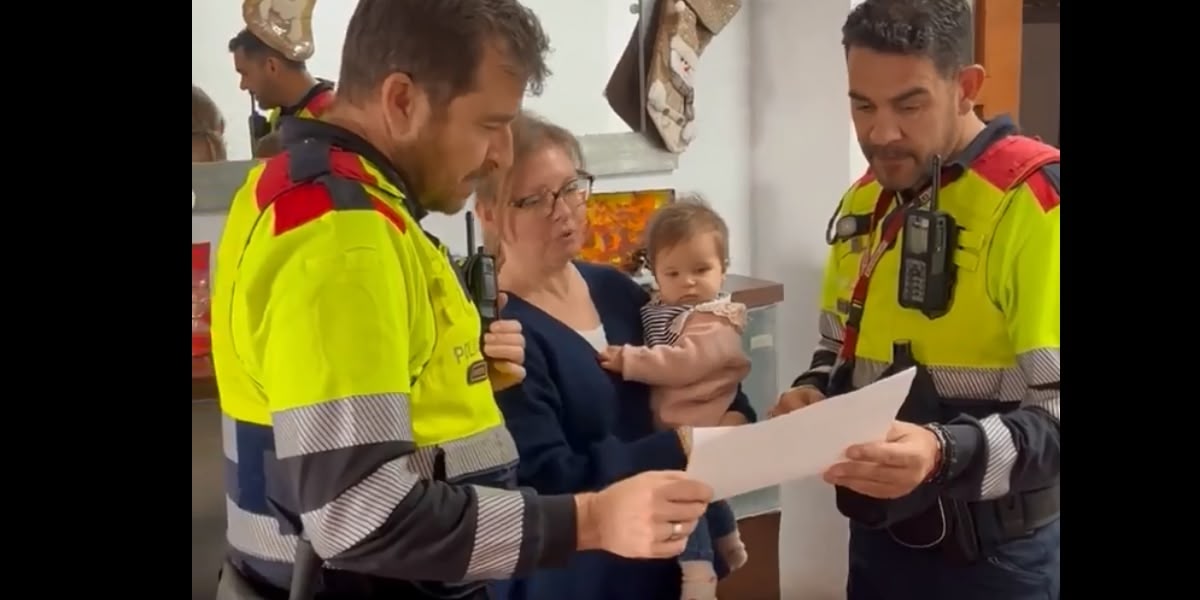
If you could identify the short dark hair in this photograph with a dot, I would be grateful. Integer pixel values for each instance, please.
(941, 30)
(439, 43)
(252, 46)
(680, 220)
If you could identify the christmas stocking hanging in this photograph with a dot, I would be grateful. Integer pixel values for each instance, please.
(684, 29)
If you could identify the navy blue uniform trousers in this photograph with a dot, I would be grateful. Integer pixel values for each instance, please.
(1022, 569)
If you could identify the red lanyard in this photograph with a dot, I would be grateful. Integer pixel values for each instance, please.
(892, 223)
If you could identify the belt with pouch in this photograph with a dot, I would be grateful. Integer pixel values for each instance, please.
(1015, 516)
(963, 531)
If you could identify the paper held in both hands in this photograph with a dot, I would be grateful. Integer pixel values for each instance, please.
(736, 460)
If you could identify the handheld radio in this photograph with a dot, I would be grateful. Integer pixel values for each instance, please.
(927, 270)
(479, 274)
(259, 127)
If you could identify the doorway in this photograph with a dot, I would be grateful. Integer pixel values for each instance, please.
(1017, 42)
(1040, 77)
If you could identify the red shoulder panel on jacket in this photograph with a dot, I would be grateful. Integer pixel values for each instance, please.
(308, 202)
(273, 181)
(320, 103)
(389, 213)
(296, 204)
(1012, 160)
(1043, 190)
(301, 205)
(276, 179)
(349, 165)
(866, 178)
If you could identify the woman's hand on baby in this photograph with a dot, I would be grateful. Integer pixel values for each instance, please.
(612, 359)
(504, 348)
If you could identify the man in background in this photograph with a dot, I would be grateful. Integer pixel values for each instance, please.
(281, 86)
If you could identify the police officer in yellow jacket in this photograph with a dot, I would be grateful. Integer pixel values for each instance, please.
(961, 500)
(278, 84)
(359, 418)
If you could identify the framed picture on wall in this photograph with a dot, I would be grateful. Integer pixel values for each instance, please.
(616, 222)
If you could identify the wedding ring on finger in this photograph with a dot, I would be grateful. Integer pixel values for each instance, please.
(676, 532)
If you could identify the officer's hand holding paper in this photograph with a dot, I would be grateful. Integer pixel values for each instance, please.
(736, 460)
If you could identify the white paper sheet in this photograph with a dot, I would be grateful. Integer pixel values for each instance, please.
(736, 460)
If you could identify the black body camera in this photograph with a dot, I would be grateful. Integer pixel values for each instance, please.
(927, 270)
(479, 275)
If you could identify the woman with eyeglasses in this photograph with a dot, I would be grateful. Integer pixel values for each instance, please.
(577, 427)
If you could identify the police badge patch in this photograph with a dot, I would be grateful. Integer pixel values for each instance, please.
(477, 372)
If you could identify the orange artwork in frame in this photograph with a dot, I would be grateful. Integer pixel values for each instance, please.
(616, 221)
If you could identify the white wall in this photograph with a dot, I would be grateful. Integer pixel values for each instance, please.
(803, 156)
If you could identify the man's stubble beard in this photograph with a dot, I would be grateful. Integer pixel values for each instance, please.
(414, 163)
(924, 164)
(428, 154)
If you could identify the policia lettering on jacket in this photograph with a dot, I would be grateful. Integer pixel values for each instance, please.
(362, 428)
(988, 367)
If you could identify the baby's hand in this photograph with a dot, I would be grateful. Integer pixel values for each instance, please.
(611, 359)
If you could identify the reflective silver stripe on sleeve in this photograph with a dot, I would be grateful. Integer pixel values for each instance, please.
(229, 437)
(257, 535)
(344, 423)
(830, 326)
(485, 451)
(969, 383)
(1041, 368)
(491, 448)
(1001, 454)
(498, 534)
(1046, 400)
(1037, 368)
(360, 510)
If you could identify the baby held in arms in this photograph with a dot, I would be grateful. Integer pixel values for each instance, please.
(693, 359)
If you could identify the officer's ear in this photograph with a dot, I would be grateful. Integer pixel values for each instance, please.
(970, 83)
(405, 105)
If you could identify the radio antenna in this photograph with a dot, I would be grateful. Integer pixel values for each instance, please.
(470, 233)
(935, 182)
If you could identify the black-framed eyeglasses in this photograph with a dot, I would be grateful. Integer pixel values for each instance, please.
(573, 193)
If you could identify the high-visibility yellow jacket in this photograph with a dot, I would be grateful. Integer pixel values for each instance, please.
(311, 106)
(994, 357)
(355, 397)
